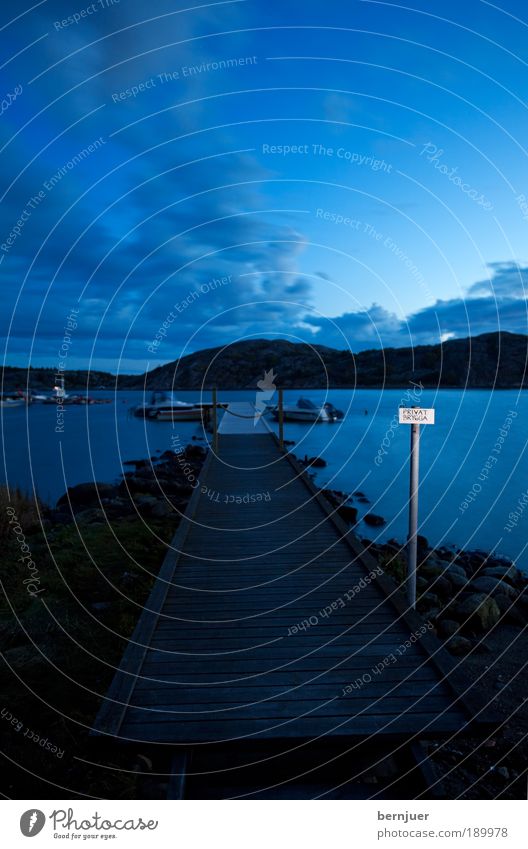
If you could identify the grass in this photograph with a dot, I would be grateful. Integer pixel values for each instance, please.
(62, 646)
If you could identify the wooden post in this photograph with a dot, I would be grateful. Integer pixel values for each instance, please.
(281, 419)
(215, 422)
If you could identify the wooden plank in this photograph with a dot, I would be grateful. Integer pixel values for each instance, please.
(301, 728)
(217, 695)
(285, 708)
(288, 678)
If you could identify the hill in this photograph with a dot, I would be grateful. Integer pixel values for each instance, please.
(491, 360)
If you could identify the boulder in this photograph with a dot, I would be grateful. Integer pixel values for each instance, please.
(442, 587)
(457, 581)
(316, 462)
(348, 514)
(427, 601)
(493, 586)
(431, 568)
(421, 584)
(511, 610)
(448, 627)
(455, 568)
(458, 645)
(374, 520)
(476, 610)
(87, 494)
(503, 573)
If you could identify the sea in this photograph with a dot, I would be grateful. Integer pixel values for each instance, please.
(473, 490)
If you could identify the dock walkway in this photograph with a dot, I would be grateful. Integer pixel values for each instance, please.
(267, 623)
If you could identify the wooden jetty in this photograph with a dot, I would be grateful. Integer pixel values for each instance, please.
(269, 622)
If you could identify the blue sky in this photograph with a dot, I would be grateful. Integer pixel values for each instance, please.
(352, 173)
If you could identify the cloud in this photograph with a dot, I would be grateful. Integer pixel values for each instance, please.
(506, 280)
(164, 205)
(495, 304)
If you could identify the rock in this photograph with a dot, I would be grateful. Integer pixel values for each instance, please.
(374, 520)
(348, 514)
(458, 645)
(428, 601)
(359, 494)
(140, 464)
(430, 568)
(493, 586)
(422, 543)
(456, 569)
(421, 584)
(456, 580)
(510, 609)
(502, 573)
(87, 494)
(476, 610)
(442, 587)
(363, 500)
(448, 627)
(316, 462)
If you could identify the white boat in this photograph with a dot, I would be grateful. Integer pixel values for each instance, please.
(164, 407)
(306, 411)
(6, 401)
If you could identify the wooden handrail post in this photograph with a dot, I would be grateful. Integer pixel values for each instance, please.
(215, 422)
(281, 419)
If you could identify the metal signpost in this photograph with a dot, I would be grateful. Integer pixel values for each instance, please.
(281, 419)
(415, 416)
(214, 411)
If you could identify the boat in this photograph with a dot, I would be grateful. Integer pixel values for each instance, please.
(35, 397)
(306, 411)
(10, 401)
(164, 407)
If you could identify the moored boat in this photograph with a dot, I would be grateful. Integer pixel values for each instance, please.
(306, 411)
(164, 407)
(10, 401)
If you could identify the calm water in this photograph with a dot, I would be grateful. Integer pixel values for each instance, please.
(454, 453)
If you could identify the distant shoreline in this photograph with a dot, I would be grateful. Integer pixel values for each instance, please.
(489, 361)
(79, 387)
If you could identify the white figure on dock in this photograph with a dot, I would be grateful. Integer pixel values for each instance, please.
(267, 390)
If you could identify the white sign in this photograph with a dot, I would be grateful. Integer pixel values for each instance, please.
(417, 415)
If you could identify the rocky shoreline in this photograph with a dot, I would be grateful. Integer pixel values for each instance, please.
(462, 593)
(159, 487)
(477, 604)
